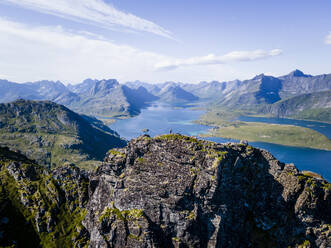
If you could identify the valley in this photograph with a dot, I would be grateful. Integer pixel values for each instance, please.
(165, 124)
(218, 110)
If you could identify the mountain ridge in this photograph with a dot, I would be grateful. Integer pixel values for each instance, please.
(108, 98)
(167, 191)
(52, 134)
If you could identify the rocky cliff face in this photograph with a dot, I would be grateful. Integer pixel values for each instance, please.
(177, 191)
(39, 208)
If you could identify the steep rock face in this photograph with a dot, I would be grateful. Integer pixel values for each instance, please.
(176, 191)
(259, 90)
(169, 191)
(297, 83)
(39, 208)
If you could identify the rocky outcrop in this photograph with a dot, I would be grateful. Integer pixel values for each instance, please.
(169, 191)
(176, 191)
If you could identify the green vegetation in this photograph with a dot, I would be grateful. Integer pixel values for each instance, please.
(40, 196)
(319, 114)
(179, 137)
(124, 215)
(272, 133)
(54, 135)
(176, 239)
(311, 174)
(130, 217)
(219, 117)
(116, 153)
(326, 186)
(305, 244)
(140, 160)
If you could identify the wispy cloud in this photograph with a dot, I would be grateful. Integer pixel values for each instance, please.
(328, 39)
(34, 53)
(93, 11)
(55, 53)
(212, 59)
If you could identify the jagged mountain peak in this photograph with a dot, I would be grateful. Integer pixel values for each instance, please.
(259, 77)
(262, 77)
(174, 93)
(297, 73)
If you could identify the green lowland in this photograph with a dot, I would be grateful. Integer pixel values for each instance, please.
(255, 131)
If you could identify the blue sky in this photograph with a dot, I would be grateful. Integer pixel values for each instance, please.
(157, 41)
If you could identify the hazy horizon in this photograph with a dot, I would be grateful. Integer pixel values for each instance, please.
(66, 82)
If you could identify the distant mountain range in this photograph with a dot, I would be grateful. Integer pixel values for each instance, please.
(295, 95)
(262, 94)
(169, 92)
(316, 106)
(109, 98)
(92, 97)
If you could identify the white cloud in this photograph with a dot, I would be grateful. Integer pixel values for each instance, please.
(328, 39)
(93, 11)
(212, 59)
(34, 53)
(54, 53)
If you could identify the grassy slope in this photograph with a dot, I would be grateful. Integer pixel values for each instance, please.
(43, 193)
(53, 135)
(272, 133)
(319, 114)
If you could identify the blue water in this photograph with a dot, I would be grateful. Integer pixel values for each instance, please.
(160, 118)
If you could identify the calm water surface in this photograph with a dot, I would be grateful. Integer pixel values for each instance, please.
(160, 118)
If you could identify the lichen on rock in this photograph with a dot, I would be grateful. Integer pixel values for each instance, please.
(167, 191)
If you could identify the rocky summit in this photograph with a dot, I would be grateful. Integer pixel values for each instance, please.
(167, 191)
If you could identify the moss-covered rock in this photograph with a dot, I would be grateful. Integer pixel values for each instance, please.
(168, 191)
(51, 211)
(193, 193)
